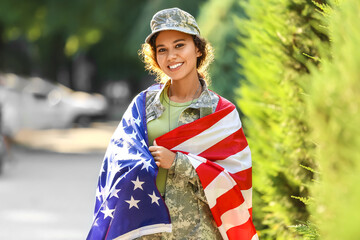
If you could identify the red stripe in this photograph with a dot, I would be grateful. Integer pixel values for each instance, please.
(243, 178)
(187, 131)
(223, 103)
(229, 146)
(250, 212)
(244, 232)
(207, 172)
(229, 200)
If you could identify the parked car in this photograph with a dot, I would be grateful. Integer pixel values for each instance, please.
(34, 103)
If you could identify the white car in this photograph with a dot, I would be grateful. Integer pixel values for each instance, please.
(34, 103)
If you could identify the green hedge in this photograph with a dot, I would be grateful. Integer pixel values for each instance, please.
(334, 102)
(278, 35)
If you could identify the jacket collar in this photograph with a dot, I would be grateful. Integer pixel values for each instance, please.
(202, 101)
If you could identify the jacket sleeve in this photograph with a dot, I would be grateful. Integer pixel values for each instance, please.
(182, 170)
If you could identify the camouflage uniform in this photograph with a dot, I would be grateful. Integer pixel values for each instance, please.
(184, 195)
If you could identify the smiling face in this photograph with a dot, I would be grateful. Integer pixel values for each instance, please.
(176, 55)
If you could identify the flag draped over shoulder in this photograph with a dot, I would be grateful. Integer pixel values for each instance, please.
(217, 148)
(128, 204)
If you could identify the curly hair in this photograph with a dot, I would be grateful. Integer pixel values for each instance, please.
(148, 56)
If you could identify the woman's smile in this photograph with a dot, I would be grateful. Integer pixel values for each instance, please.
(175, 66)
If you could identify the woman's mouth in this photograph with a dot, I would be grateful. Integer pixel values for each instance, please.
(175, 66)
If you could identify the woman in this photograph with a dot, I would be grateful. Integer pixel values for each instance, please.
(184, 125)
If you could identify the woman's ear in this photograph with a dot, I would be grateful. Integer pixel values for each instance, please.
(198, 53)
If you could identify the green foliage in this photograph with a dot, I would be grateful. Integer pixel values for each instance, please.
(279, 35)
(307, 230)
(216, 21)
(334, 109)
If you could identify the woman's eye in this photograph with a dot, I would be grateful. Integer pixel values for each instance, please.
(179, 45)
(160, 50)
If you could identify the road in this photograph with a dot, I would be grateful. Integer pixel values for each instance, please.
(46, 195)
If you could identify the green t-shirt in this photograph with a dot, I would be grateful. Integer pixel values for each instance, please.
(166, 122)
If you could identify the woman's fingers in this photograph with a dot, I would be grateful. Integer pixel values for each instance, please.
(152, 148)
(162, 156)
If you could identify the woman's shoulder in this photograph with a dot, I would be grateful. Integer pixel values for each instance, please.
(151, 92)
(222, 102)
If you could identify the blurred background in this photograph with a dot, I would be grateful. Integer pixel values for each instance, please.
(68, 70)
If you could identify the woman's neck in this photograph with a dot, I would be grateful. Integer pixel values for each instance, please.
(184, 91)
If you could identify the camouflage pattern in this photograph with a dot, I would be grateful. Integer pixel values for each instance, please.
(184, 195)
(173, 19)
(204, 105)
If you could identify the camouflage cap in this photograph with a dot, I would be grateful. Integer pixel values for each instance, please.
(173, 19)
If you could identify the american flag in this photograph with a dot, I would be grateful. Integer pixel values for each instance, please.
(128, 204)
(218, 150)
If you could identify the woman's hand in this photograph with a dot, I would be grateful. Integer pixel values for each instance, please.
(163, 157)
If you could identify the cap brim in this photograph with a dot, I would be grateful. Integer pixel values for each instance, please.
(147, 39)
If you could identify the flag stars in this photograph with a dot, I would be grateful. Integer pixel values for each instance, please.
(154, 198)
(114, 193)
(96, 222)
(146, 164)
(143, 143)
(108, 212)
(137, 121)
(133, 135)
(132, 202)
(137, 184)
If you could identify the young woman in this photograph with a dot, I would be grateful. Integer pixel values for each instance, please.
(196, 156)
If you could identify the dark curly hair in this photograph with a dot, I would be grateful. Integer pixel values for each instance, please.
(148, 56)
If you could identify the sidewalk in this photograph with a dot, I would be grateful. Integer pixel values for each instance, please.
(74, 140)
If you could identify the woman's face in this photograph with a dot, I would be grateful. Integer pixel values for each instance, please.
(176, 55)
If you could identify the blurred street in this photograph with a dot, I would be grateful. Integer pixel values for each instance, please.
(48, 186)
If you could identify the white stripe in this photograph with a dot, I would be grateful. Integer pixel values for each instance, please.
(196, 161)
(235, 217)
(151, 229)
(223, 232)
(220, 130)
(247, 194)
(220, 185)
(237, 162)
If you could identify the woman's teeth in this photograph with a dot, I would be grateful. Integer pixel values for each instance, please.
(175, 66)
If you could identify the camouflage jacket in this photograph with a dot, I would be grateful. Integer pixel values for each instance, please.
(184, 195)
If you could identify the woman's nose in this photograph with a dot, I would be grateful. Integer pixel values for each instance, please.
(172, 54)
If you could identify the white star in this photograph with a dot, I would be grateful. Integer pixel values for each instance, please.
(154, 198)
(137, 184)
(108, 212)
(137, 121)
(132, 202)
(133, 135)
(114, 193)
(146, 165)
(96, 222)
(143, 143)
